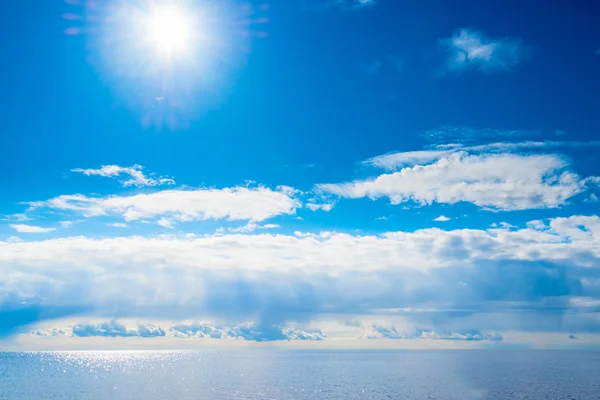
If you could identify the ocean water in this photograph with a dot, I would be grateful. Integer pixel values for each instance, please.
(276, 374)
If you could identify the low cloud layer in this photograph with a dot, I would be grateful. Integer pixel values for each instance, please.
(249, 332)
(383, 332)
(549, 267)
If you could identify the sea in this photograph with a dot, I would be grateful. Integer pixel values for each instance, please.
(301, 374)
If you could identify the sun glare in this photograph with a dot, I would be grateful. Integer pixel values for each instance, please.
(169, 31)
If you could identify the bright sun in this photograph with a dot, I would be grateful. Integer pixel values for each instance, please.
(169, 31)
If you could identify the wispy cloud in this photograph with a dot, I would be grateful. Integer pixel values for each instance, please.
(372, 68)
(16, 218)
(392, 161)
(22, 228)
(117, 225)
(353, 5)
(466, 134)
(320, 206)
(252, 226)
(135, 175)
(493, 181)
(470, 49)
(234, 204)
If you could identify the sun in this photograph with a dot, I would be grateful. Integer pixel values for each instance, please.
(168, 31)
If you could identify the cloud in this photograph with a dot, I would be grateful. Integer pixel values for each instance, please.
(442, 218)
(135, 174)
(252, 226)
(592, 199)
(274, 279)
(372, 68)
(324, 206)
(465, 134)
(21, 228)
(472, 50)
(352, 5)
(117, 225)
(382, 332)
(233, 204)
(572, 337)
(251, 332)
(493, 181)
(16, 218)
(115, 329)
(54, 332)
(165, 223)
(393, 161)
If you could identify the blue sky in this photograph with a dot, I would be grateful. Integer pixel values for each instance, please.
(302, 171)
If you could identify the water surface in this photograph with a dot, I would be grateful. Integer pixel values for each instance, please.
(276, 374)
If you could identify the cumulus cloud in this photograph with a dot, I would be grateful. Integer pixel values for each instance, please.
(383, 332)
(473, 50)
(115, 329)
(53, 333)
(442, 218)
(277, 278)
(238, 203)
(493, 181)
(251, 332)
(22, 228)
(135, 175)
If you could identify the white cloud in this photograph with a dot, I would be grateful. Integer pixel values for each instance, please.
(117, 225)
(234, 204)
(135, 174)
(252, 332)
(165, 223)
(442, 218)
(592, 199)
(324, 206)
(21, 228)
(471, 49)
(537, 225)
(384, 332)
(251, 227)
(115, 329)
(393, 161)
(493, 181)
(16, 218)
(68, 224)
(278, 277)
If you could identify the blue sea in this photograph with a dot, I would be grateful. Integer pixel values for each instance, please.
(301, 374)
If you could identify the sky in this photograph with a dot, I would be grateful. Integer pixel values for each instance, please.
(307, 173)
